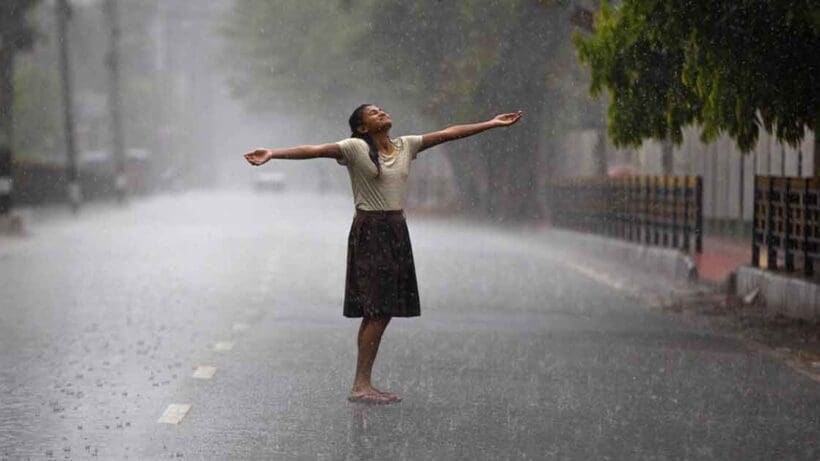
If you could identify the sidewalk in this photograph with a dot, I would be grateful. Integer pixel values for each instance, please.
(721, 256)
(794, 341)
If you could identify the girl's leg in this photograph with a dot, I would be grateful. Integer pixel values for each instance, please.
(370, 336)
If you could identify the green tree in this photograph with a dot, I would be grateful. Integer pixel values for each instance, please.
(729, 66)
(16, 35)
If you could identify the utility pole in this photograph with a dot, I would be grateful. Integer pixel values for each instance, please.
(114, 100)
(6, 126)
(599, 156)
(74, 191)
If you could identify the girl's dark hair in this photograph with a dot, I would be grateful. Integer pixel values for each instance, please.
(355, 121)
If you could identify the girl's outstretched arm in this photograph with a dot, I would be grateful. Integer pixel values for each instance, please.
(462, 131)
(260, 156)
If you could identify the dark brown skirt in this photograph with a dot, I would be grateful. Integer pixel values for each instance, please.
(381, 275)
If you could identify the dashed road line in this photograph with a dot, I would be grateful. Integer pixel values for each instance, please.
(204, 372)
(606, 279)
(174, 413)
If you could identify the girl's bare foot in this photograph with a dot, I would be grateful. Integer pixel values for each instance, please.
(373, 395)
(390, 395)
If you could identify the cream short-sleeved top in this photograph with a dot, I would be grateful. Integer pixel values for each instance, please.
(388, 191)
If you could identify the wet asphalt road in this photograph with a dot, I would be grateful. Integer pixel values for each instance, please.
(517, 355)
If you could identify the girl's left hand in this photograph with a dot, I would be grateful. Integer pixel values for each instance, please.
(508, 118)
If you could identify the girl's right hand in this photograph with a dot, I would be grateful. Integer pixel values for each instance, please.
(258, 156)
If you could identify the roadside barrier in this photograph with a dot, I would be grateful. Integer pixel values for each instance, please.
(787, 223)
(662, 211)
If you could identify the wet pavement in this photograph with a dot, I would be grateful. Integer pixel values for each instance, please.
(519, 353)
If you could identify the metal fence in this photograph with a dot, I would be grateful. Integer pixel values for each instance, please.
(653, 210)
(787, 223)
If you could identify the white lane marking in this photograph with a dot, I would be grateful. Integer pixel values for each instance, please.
(204, 372)
(222, 346)
(629, 289)
(174, 413)
(239, 326)
(599, 276)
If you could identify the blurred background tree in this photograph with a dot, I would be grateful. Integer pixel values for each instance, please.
(16, 35)
(728, 67)
(443, 62)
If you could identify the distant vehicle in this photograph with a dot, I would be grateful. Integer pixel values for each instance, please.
(98, 173)
(268, 181)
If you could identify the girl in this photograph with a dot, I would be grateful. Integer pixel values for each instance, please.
(381, 276)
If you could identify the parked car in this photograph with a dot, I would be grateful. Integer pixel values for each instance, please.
(268, 181)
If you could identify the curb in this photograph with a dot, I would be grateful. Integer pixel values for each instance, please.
(672, 263)
(789, 296)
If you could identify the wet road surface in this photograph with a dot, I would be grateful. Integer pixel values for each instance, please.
(517, 354)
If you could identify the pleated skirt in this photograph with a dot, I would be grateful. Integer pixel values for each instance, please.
(381, 274)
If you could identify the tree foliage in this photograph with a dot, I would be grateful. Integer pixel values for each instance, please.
(729, 66)
(16, 32)
(16, 35)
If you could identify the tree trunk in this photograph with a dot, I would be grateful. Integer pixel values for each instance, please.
(516, 82)
(74, 192)
(114, 101)
(6, 124)
(518, 175)
(600, 157)
(667, 157)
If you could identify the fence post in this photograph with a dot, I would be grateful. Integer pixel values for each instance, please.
(663, 218)
(675, 190)
(771, 250)
(645, 228)
(787, 227)
(755, 204)
(808, 263)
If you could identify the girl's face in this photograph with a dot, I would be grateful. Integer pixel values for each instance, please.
(374, 120)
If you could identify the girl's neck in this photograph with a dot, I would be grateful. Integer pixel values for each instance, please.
(381, 140)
